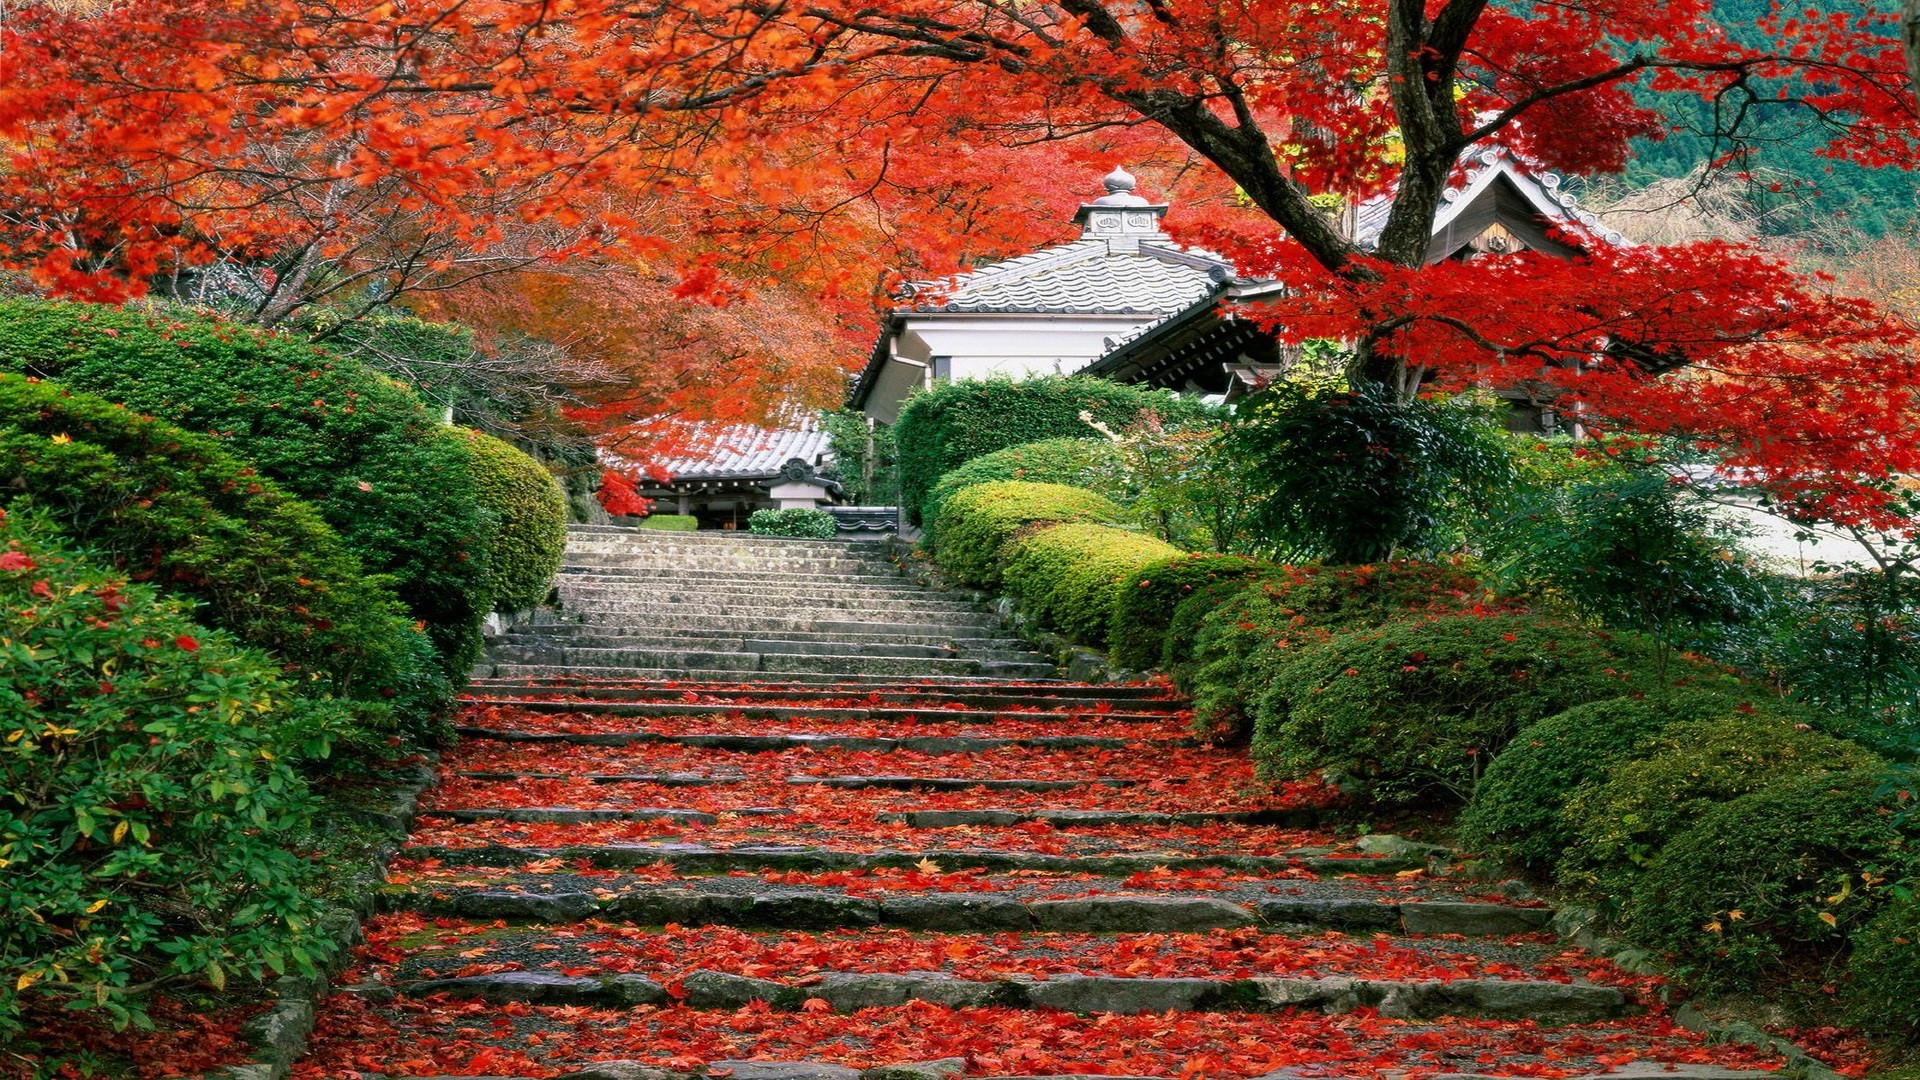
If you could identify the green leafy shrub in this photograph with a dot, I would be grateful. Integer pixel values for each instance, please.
(1518, 808)
(800, 523)
(175, 508)
(1620, 822)
(981, 521)
(1883, 971)
(1189, 616)
(955, 422)
(1072, 577)
(1144, 615)
(669, 522)
(530, 520)
(1786, 869)
(1243, 633)
(1415, 710)
(147, 772)
(358, 446)
(1090, 463)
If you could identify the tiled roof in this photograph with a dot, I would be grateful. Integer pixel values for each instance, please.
(1079, 278)
(1482, 167)
(745, 452)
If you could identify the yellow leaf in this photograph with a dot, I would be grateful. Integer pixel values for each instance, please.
(25, 980)
(1827, 917)
(62, 439)
(927, 866)
(96, 906)
(1736, 915)
(120, 832)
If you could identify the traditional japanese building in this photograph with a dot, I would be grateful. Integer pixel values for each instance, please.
(742, 468)
(1125, 302)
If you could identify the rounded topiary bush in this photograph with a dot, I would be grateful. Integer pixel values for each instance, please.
(177, 510)
(359, 447)
(1413, 711)
(1781, 870)
(1619, 823)
(1072, 577)
(1091, 463)
(1518, 808)
(1882, 989)
(147, 783)
(1144, 614)
(1242, 633)
(981, 521)
(799, 524)
(530, 520)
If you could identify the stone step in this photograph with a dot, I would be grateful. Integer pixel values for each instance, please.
(835, 665)
(616, 637)
(699, 859)
(1547, 1003)
(763, 744)
(922, 819)
(691, 676)
(855, 783)
(720, 583)
(805, 713)
(752, 904)
(621, 572)
(583, 533)
(531, 646)
(938, 624)
(1136, 696)
(687, 595)
(672, 563)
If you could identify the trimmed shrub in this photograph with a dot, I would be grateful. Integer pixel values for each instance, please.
(358, 446)
(1415, 710)
(147, 768)
(801, 524)
(530, 520)
(1072, 577)
(174, 508)
(1242, 633)
(1090, 463)
(1145, 612)
(1518, 808)
(981, 521)
(1883, 972)
(955, 422)
(669, 522)
(1781, 870)
(1619, 823)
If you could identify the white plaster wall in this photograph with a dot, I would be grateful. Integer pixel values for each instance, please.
(988, 346)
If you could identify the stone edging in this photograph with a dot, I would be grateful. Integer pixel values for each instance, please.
(1582, 926)
(279, 1036)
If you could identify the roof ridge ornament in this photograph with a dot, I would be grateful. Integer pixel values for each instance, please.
(1120, 217)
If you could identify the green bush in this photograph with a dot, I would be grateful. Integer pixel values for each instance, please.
(1786, 869)
(955, 422)
(176, 509)
(1620, 822)
(1072, 577)
(1518, 808)
(147, 774)
(1144, 615)
(1242, 633)
(1415, 710)
(800, 523)
(981, 521)
(530, 520)
(669, 522)
(1090, 463)
(1882, 990)
(355, 444)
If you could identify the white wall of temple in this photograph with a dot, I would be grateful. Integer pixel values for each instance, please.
(968, 347)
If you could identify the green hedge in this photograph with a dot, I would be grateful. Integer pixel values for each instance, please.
(1242, 633)
(1090, 463)
(803, 524)
(1414, 711)
(669, 522)
(147, 774)
(1620, 822)
(1794, 860)
(953, 423)
(1144, 615)
(1518, 809)
(1072, 577)
(358, 446)
(981, 521)
(530, 520)
(176, 509)
(1882, 990)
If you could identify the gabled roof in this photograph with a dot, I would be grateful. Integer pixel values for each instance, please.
(1082, 277)
(1485, 171)
(746, 451)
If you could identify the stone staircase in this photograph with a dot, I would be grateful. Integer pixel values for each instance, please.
(658, 853)
(718, 606)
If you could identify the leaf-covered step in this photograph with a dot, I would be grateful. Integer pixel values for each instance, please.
(813, 713)
(761, 744)
(977, 694)
(1548, 1003)
(888, 783)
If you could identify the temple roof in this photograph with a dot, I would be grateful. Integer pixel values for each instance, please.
(747, 452)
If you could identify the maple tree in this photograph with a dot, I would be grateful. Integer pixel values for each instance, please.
(715, 136)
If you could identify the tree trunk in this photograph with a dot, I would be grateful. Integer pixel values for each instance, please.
(1910, 35)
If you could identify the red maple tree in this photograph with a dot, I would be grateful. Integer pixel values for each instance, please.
(838, 145)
